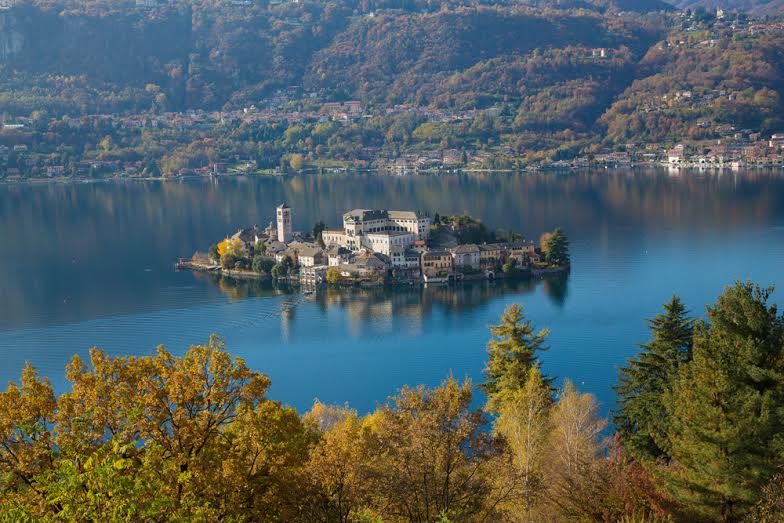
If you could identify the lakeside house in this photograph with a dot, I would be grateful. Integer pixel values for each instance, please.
(466, 256)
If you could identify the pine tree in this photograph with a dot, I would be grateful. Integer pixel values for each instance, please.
(727, 406)
(557, 248)
(641, 417)
(512, 353)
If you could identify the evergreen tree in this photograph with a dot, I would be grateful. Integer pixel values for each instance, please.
(512, 353)
(641, 417)
(318, 229)
(727, 406)
(557, 248)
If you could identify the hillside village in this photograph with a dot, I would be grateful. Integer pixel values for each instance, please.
(302, 127)
(382, 246)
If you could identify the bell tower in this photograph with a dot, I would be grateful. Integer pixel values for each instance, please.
(284, 223)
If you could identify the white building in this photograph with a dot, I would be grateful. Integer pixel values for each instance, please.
(379, 230)
(339, 238)
(313, 275)
(467, 255)
(388, 242)
(363, 221)
(338, 256)
(676, 155)
(284, 223)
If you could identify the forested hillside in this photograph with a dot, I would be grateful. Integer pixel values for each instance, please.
(505, 82)
(208, 55)
(692, 84)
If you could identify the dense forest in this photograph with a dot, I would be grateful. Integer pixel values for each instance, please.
(696, 436)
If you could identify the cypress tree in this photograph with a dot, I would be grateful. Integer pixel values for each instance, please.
(512, 352)
(641, 417)
(727, 406)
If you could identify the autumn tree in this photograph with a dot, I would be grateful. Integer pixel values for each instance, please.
(193, 437)
(333, 275)
(770, 506)
(434, 458)
(231, 250)
(576, 449)
(338, 467)
(296, 162)
(524, 422)
(544, 242)
(27, 449)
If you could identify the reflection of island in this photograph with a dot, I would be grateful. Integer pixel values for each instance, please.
(413, 302)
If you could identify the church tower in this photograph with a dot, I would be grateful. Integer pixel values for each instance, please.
(284, 223)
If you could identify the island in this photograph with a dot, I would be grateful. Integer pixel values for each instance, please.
(378, 247)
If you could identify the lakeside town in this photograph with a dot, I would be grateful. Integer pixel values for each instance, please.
(305, 129)
(375, 247)
(735, 149)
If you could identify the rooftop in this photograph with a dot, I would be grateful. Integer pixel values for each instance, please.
(465, 249)
(365, 215)
(389, 233)
(379, 214)
(406, 215)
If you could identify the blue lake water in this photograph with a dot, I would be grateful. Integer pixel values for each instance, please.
(91, 265)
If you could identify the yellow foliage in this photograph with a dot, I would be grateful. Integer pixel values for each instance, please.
(543, 242)
(296, 161)
(333, 275)
(231, 247)
(223, 246)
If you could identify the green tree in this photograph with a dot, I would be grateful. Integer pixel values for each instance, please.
(319, 228)
(512, 353)
(557, 248)
(641, 417)
(262, 264)
(279, 270)
(510, 267)
(726, 407)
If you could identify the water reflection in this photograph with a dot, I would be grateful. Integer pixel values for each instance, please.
(414, 302)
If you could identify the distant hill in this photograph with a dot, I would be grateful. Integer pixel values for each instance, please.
(209, 55)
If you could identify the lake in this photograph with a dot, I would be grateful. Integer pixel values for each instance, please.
(91, 265)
